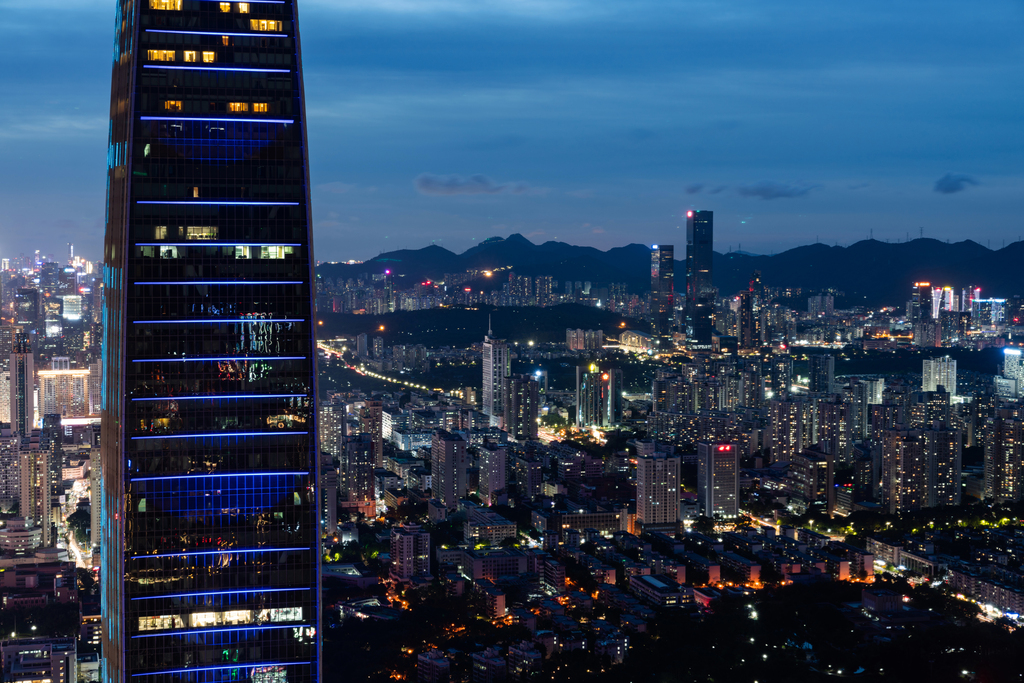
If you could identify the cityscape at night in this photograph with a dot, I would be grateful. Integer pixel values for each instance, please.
(634, 414)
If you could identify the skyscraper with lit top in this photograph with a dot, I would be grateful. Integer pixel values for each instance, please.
(210, 521)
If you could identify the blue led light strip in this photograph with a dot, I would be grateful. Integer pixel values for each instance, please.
(217, 244)
(203, 595)
(224, 282)
(225, 551)
(215, 359)
(232, 203)
(201, 632)
(200, 119)
(213, 68)
(221, 397)
(215, 435)
(223, 319)
(218, 33)
(240, 665)
(203, 475)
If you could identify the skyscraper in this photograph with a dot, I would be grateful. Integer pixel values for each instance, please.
(662, 287)
(821, 372)
(657, 489)
(700, 293)
(449, 467)
(211, 520)
(522, 407)
(22, 385)
(718, 468)
(939, 372)
(496, 369)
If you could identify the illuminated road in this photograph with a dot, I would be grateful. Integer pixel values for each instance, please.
(76, 551)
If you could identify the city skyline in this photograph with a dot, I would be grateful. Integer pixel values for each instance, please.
(409, 107)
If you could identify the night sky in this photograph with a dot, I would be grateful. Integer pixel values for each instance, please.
(592, 121)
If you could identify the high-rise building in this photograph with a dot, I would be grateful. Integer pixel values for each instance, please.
(410, 552)
(598, 396)
(355, 475)
(1003, 437)
(811, 474)
(371, 421)
(904, 471)
(211, 505)
(449, 467)
(921, 468)
(921, 302)
(700, 291)
(64, 391)
(497, 366)
(493, 471)
(786, 426)
(821, 372)
(35, 489)
(657, 489)
(22, 385)
(662, 288)
(522, 407)
(1013, 370)
(718, 469)
(26, 307)
(939, 372)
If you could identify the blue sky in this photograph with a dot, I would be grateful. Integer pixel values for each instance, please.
(590, 121)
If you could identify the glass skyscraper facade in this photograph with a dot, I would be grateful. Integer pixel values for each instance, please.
(700, 289)
(210, 522)
(662, 288)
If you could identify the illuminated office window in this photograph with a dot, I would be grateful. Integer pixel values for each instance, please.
(161, 55)
(275, 252)
(264, 25)
(243, 7)
(190, 55)
(209, 57)
(225, 7)
(195, 192)
(242, 252)
(201, 232)
(259, 107)
(238, 106)
(226, 40)
(172, 105)
(164, 4)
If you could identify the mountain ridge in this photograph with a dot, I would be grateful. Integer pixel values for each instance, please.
(870, 272)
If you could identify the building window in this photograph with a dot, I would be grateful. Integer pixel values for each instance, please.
(276, 252)
(172, 105)
(242, 252)
(190, 55)
(225, 7)
(225, 40)
(209, 57)
(161, 55)
(200, 232)
(259, 107)
(195, 192)
(243, 7)
(238, 106)
(265, 25)
(164, 4)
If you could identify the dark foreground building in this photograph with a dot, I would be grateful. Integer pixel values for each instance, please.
(210, 523)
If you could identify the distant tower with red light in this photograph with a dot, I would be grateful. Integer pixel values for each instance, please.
(718, 468)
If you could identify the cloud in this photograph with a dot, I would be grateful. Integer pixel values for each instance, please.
(767, 189)
(427, 183)
(695, 188)
(951, 183)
